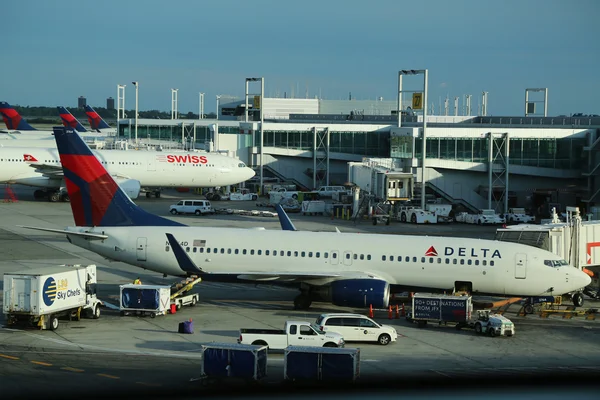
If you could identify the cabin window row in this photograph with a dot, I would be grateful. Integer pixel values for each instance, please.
(439, 260)
(280, 253)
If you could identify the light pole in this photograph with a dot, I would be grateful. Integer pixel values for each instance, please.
(218, 97)
(136, 111)
(201, 106)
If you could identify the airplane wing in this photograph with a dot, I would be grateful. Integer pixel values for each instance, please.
(47, 170)
(92, 236)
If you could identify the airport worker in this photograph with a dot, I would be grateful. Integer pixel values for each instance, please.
(137, 281)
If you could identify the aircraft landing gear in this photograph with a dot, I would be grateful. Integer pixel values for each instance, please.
(156, 194)
(302, 301)
(577, 299)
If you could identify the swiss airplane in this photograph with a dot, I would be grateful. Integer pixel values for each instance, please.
(133, 170)
(348, 269)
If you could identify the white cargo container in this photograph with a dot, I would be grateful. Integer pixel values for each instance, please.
(40, 296)
(152, 299)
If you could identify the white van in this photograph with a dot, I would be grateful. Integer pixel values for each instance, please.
(357, 328)
(198, 207)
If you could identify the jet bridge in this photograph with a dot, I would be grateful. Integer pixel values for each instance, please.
(575, 240)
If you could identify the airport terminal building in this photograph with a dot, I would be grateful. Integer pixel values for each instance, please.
(531, 160)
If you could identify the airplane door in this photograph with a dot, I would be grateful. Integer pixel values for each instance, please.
(142, 243)
(334, 257)
(347, 258)
(521, 266)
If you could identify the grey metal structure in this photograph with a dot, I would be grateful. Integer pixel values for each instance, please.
(424, 72)
(320, 156)
(174, 93)
(262, 136)
(136, 111)
(120, 103)
(530, 105)
(484, 102)
(498, 169)
(201, 105)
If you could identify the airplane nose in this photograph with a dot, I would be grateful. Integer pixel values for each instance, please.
(583, 279)
(250, 173)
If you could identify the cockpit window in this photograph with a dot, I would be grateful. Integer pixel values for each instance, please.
(555, 263)
(242, 165)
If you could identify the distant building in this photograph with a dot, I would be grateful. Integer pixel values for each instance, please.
(110, 103)
(81, 102)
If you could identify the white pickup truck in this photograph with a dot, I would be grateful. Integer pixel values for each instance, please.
(484, 217)
(296, 333)
(518, 215)
(283, 192)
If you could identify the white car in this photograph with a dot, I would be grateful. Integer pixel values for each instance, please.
(198, 207)
(518, 215)
(357, 328)
(484, 217)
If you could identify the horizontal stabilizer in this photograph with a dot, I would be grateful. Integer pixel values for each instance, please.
(95, 236)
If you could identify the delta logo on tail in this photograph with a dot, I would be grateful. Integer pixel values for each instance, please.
(29, 158)
(12, 119)
(432, 252)
(96, 199)
(95, 120)
(69, 120)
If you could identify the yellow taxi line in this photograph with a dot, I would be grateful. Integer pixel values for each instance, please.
(9, 357)
(109, 376)
(41, 363)
(72, 369)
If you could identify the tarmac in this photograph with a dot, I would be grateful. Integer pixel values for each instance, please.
(117, 354)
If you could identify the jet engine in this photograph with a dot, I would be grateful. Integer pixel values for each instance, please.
(360, 293)
(131, 187)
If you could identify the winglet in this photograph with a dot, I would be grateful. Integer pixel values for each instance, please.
(184, 261)
(284, 220)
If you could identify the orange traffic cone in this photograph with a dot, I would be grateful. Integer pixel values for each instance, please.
(397, 312)
(371, 311)
(390, 312)
(403, 311)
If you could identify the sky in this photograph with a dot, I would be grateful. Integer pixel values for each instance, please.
(60, 50)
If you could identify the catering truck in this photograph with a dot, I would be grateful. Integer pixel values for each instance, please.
(295, 333)
(42, 295)
(440, 308)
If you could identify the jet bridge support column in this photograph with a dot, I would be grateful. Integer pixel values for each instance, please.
(320, 157)
(498, 171)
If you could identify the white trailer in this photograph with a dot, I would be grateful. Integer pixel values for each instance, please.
(242, 195)
(40, 296)
(145, 299)
(313, 207)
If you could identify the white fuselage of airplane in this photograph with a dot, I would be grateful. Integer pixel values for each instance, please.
(43, 138)
(150, 168)
(491, 267)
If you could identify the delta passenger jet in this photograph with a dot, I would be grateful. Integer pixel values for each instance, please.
(347, 269)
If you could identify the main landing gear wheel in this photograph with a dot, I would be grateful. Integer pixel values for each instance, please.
(578, 300)
(54, 197)
(148, 194)
(302, 302)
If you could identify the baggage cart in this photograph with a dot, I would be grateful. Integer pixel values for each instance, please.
(233, 361)
(306, 364)
(144, 300)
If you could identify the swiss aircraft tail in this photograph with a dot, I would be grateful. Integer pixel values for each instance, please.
(96, 199)
(95, 120)
(13, 119)
(69, 120)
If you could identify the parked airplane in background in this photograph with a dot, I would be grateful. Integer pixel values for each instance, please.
(40, 167)
(97, 123)
(69, 120)
(14, 122)
(348, 269)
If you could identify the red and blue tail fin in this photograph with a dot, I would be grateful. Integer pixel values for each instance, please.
(96, 199)
(12, 119)
(69, 120)
(95, 120)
